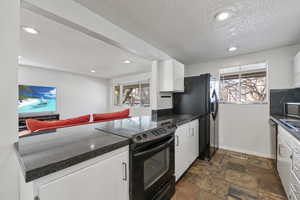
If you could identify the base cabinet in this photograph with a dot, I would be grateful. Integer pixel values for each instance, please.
(181, 150)
(186, 146)
(107, 179)
(284, 162)
(288, 163)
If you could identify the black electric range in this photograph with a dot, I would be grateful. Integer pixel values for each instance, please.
(152, 155)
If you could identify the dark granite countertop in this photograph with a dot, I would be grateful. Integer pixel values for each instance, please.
(135, 125)
(179, 119)
(276, 119)
(44, 154)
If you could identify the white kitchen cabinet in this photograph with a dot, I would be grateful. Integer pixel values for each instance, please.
(194, 131)
(102, 178)
(186, 146)
(181, 150)
(297, 70)
(284, 161)
(288, 163)
(171, 76)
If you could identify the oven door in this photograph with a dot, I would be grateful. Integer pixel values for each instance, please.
(153, 169)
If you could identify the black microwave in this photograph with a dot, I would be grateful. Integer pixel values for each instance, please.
(292, 109)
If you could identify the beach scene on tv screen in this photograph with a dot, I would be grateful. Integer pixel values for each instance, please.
(34, 99)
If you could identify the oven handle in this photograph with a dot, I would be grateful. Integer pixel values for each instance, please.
(155, 149)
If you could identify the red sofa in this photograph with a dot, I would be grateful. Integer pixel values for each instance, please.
(37, 125)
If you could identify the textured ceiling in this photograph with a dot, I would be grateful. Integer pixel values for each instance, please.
(62, 48)
(187, 30)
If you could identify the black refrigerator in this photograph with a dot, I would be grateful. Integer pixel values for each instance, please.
(200, 96)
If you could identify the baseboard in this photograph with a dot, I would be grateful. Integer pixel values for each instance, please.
(248, 152)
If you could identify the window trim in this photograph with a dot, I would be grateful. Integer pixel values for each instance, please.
(266, 101)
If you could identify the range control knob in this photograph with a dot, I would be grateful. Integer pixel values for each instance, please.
(145, 135)
(138, 138)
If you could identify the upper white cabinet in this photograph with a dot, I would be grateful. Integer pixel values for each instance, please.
(297, 70)
(171, 76)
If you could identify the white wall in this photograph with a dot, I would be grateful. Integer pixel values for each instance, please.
(9, 48)
(245, 128)
(134, 111)
(76, 94)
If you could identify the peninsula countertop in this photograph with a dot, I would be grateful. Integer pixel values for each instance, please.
(43, 154)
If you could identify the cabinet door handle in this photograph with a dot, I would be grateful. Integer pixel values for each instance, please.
(177, 140)
(125, 171)
(279, 151)
(193, 132)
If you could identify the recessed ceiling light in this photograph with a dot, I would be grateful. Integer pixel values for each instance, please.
(93, 71)
(30, 30)
(231, 49)
(127, 61)
(221, 16)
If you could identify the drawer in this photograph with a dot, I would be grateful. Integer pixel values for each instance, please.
(296, 165)
(296, 146)
(283, 133)
(293, 196)
(294, 187)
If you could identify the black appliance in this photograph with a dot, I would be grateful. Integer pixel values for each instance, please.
(152, 156)
(274, 131)
(201, 97)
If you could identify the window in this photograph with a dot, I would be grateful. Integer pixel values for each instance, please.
(117, 95)
(133, 94)
(145, 94)
(244, 84)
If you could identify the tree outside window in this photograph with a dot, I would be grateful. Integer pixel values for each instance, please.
(131, 95)
(244, 84)
(136, 94)
(117, 95)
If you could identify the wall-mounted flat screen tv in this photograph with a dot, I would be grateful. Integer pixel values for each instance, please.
(36, 99)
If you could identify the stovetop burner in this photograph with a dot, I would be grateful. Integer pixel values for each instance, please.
(139, 129)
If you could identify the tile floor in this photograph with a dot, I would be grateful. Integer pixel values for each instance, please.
(231, 176)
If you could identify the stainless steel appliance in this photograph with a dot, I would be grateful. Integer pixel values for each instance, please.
(152, 156)
(292, 110)
(201, 97)
(292, 116)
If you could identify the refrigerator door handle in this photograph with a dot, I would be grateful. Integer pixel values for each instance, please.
(215, 105)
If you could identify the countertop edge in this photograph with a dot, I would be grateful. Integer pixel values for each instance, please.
(189, 120)
(277, 121)
(31, 175)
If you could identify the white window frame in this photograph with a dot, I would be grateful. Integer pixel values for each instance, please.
(266, 101)
(139, 82)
